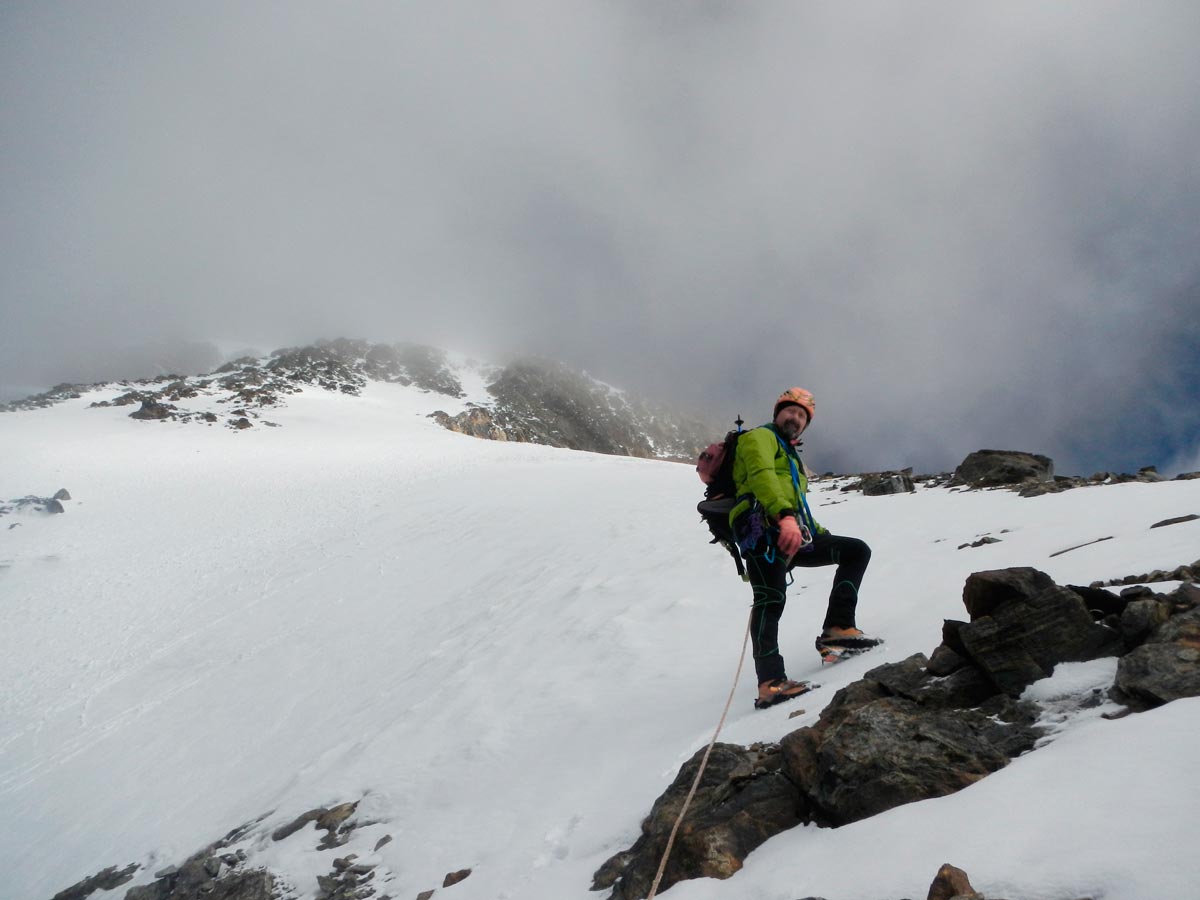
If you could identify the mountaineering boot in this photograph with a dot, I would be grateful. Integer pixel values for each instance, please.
(772, 692)
(836, 644)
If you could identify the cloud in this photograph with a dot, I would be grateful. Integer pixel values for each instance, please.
(959, 225)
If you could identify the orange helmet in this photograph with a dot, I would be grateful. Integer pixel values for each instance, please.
(797, 395)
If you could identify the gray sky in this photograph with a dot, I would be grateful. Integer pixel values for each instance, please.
(959, 225)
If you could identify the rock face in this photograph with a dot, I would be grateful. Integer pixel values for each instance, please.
(544, 402)
(1167, 666)
(31, 503)
(882, 483)
(1022, 625)
(995, 468)
(742, 800)
(107, 880)
(921, 727)
(877, 751)
(530, 400)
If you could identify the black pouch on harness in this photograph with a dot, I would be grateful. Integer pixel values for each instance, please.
(716, 516)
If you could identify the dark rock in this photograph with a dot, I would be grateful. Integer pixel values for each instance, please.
(62, 494)
(1167, 666)
(944, 661)
(1101, 601)
(192, 880)
(295, 825)
(983, 592)
(240, 423)
(742, 800)
(994, 468)
(911, 679)
(1185, 597)
(1154, 674)
(880, 484)
(1183, 628)
(951, 883)
(1140, 618)
(105, 880)
(382, 842)
(53, 506)
(333, 818)
(153, 410)
(1137, 592)
(1078, 546)
(1176, 521)
(454, 878)
(982, 542)
(950, 635)
(1026, 635)
(892, 752)
(425, 895)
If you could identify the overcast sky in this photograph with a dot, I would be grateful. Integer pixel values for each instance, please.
(959, 225)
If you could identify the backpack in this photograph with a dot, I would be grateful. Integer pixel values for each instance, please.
(715, 468)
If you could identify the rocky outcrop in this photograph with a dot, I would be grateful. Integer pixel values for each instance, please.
(879, 484)
(922, 727)
(107, 880)
(481, 423)
(873, 750)
(229, 869)
(997, 468)
(544, 402)
(1166, 666)
(1189, 572)
(529, 401)
(742, 799)
(34, 504)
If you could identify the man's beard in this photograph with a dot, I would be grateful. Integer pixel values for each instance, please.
(791, 430)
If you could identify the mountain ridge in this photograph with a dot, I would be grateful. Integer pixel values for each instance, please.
(528, 400)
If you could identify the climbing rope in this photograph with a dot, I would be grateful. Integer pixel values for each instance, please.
(662, 866)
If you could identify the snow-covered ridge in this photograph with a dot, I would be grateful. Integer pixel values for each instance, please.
(528, 401)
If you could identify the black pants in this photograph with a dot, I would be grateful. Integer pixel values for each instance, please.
(769, 580)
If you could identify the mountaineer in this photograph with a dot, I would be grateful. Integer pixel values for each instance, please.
(776, 532)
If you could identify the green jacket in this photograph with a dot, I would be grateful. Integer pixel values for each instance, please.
(762, 468)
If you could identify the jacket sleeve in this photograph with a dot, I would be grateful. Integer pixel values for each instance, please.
(756, 458)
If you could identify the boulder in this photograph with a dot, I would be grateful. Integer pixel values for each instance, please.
(1167, 666)
(209, 875)
(882, 483)
(153, 410)
(1140, 618)
(951, 883)
(453, 878)
(1024, 637)
(983, 592)
(893, 751)
(996, 468)
(743, 799)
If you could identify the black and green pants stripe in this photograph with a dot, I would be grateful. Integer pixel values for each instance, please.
(769, 581)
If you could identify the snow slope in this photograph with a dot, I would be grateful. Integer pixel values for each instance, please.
(504, 652)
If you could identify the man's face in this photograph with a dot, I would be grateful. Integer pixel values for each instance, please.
(791, 421)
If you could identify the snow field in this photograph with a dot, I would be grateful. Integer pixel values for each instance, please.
(505, 652)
